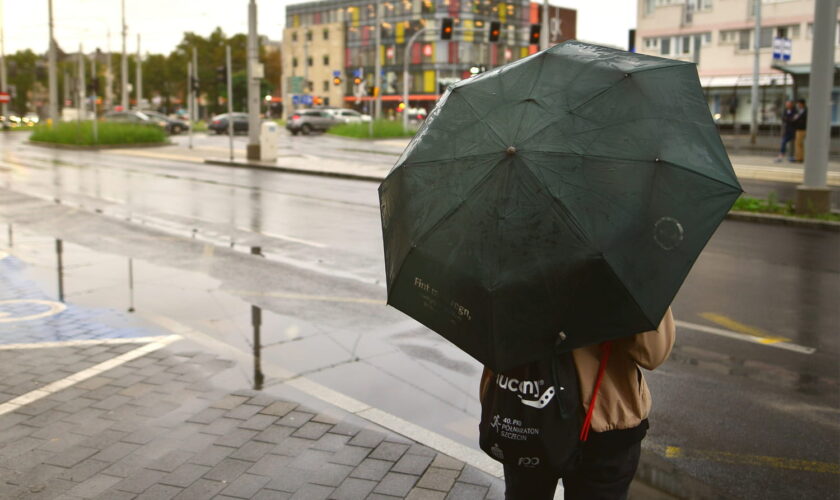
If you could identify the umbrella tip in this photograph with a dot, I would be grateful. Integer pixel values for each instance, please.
(511, 150)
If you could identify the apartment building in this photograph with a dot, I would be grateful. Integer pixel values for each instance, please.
(718, 35)
(331, 40)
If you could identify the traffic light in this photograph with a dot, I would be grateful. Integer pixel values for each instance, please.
(93, 86)
(221, 74)
(357, 80)
(194, 85)
(495, 31)
(337, 80)
(535, 34)
(446, 28)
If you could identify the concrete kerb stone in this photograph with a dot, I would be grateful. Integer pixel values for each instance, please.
(254, 165)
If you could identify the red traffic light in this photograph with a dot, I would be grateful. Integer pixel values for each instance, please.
(446, 28)
(495, 31)
(535, 34)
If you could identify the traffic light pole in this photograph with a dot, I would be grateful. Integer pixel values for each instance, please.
(405, 72)
(94, 90)
(53, 70)
(229, 82)
(188, 96)
(5, 108)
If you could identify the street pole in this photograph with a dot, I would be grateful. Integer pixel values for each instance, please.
(139, 75)
(377, 77)
(80, 92)
(406, 75)
(544, 26)
(94, 91)
(4, 109)
(53, 84)
(124, 68)
(254, 75)
(195, 106)
(188, 96)
(756, 59)
(814, 196)
(229, 83)
(109, 78)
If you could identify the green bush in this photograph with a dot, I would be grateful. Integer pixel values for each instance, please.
(771, 206)
(108, 133)
(200, 126)
(381, 129)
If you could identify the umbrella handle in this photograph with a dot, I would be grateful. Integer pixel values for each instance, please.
(606, 347)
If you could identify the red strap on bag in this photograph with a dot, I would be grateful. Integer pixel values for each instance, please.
(605, 355)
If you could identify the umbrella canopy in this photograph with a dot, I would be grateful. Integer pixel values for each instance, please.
(561, 198)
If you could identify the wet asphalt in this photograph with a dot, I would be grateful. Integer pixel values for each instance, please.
(207, 245)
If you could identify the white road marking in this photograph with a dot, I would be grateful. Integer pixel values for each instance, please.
(53, 308)
(284, 237)
(49, 389)
(76, 343)
(747, 338)
(415, 432)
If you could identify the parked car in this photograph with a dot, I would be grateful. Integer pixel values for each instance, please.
(173, 126)
(219, 123)
(306, 121)
(349, 116)
(137, 117)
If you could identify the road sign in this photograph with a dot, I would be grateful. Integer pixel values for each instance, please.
(5, 97)
(295, 84)
(782, 48)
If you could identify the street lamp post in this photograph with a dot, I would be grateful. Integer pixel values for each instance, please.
(53, 77)
(124, 68)
(408, 46)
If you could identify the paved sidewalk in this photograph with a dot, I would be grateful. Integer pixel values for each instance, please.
(96, 403)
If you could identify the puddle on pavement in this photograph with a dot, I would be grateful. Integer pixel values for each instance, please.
(80, 277)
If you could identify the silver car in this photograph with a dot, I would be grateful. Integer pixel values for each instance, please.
(306, 121)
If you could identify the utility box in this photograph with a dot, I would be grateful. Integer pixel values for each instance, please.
(269, 140)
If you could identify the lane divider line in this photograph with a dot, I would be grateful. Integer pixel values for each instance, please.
(731, 324)
(676, 452)
(743, 337)
(443, 444)
(49, 389)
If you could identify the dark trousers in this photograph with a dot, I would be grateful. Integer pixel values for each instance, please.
(786, 138)
(603, 474)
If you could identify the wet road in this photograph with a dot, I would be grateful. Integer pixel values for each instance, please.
(749, 402)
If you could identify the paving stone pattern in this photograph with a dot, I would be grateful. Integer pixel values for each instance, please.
(154, 428)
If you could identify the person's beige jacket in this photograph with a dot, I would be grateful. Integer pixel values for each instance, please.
(624, 399)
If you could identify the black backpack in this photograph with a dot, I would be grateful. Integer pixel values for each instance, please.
(532, 416)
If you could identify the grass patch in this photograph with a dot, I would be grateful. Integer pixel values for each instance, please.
(81, 133)
(381, 129)
(200, 126)
(772, 206)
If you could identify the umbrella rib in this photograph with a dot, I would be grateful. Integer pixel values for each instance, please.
(531, 92)
(591, 98)
(421, 237)
(581, 234)
(490, 127)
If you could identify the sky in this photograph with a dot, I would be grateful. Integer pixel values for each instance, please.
(161, 23)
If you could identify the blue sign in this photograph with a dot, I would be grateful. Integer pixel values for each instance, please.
(307, 100)
(336, 74)
(357, 73)
(296, 100)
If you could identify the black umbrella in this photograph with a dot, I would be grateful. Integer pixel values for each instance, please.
(563, 197)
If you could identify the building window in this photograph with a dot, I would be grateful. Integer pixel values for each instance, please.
(744, 39)
(326, 60)
(308, 36)
(294, 36)
(705, 4)
(686, 45)
(650, 6)
(651, 43)
(326, 34)
(309, 61)
(665, 46)
(326, 85)
(766, 38)
(294, 62)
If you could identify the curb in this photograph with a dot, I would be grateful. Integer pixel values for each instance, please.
(256, 165)
(74, 147)
(784, 220)
(662, 475)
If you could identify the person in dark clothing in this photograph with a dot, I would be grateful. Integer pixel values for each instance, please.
(788, 132)
(611, 453)
(800, 120)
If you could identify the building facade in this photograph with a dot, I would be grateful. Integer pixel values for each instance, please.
(718, 35)
(332, 44)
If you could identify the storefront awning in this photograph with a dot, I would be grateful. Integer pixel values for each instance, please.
(799, 69)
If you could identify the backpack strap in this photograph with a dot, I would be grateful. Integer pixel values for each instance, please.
(606, 347)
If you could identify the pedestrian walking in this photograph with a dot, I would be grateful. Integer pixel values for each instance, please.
(607, 460)
(800, 120)
(788, 132)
